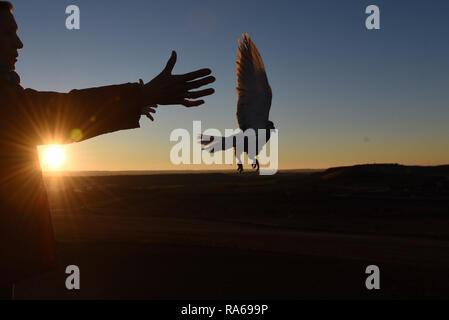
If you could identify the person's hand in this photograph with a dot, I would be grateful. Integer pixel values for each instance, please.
(167, 88)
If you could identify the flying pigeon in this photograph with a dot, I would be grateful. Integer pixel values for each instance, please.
(253, 106)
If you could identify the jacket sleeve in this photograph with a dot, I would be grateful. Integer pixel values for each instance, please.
(52, 117)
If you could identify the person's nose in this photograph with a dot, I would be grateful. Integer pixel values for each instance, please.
(19, 43)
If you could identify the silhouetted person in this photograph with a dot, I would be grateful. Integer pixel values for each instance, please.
(29, 118)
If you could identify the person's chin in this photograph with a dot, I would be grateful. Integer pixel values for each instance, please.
(12, 66)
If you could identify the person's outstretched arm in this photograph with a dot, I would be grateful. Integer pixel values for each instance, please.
(52, 117)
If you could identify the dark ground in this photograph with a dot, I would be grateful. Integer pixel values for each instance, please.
(222, 235)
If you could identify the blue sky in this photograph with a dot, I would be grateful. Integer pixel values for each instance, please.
(341, 94)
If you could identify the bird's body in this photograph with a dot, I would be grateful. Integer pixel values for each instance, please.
(253, 106)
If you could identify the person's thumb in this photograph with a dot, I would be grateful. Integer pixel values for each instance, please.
(171, 63)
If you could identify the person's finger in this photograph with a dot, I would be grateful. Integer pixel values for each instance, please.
(199, 94)
(150, 110)
(195, 74)
(199, 83)
(192, 103)
(147, 109)
(171, 63)
(149, 117)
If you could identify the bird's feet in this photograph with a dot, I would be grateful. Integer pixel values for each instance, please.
(239, 168)
(256, 165)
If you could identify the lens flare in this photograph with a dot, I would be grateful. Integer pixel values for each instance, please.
(54, 156)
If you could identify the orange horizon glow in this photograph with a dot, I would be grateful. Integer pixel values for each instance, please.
(122, 152)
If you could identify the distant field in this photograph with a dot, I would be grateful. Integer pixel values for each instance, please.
(224, 235)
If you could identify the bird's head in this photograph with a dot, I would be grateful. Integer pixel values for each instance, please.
(270, 125)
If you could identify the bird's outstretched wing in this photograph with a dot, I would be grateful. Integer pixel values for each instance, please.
(254, 92)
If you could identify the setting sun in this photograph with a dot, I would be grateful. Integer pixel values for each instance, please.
(54, 156)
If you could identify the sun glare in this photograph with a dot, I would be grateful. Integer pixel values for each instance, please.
(54, 156)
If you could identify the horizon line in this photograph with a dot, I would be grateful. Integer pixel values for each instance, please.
(216, 170)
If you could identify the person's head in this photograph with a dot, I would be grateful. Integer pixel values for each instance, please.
(9, 41)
